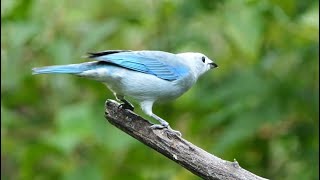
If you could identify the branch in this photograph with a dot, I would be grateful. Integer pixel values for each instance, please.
(179, 150)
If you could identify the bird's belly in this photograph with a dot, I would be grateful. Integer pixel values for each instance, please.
(141, 87)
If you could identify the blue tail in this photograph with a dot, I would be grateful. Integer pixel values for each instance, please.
(61, 69)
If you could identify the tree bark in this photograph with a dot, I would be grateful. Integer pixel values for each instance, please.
(179, 150)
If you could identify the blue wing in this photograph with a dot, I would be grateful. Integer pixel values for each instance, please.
(161, 64)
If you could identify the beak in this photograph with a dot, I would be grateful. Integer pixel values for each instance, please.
(213, 65)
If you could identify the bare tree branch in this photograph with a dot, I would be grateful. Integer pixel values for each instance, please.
(189, 156)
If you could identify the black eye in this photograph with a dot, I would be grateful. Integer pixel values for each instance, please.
(203, 59)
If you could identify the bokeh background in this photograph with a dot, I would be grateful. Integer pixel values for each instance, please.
(259, 107)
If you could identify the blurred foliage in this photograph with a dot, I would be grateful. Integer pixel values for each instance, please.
(260, 106)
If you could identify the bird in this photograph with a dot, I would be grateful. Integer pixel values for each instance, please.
(145, 76)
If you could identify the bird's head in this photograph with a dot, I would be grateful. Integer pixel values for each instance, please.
(198, 63)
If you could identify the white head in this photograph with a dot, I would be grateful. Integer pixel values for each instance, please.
(198, 63)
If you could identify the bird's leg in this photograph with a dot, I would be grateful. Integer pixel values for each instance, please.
(126, 104)
(147, 108)
(163, 123)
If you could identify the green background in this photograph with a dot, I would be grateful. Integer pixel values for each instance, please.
(259, 107)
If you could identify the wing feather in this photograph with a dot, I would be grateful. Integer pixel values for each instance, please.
(164, 65)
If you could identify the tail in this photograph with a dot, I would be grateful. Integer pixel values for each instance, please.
(61, 69)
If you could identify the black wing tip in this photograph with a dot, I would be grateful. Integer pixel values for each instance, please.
(103, 53)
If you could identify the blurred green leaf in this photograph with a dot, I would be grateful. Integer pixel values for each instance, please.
(99, 33)
(73, 124)
(245, 27)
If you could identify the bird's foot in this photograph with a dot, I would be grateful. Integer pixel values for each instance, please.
(158, 126)
(165, 125)
(126, 105)
(178, 133)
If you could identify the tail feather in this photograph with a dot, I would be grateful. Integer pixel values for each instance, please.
(61, 69)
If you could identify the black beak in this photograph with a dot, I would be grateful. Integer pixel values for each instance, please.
(213, 65)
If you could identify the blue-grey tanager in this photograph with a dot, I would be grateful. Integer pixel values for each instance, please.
(145, 76)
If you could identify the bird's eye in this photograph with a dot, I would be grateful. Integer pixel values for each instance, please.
(203, 59)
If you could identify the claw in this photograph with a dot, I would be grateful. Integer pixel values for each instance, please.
(178, 133)
(126, 106)
(158, 126)
(162, 126)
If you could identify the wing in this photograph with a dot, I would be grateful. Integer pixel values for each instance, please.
(164, 65)
(103, 53)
